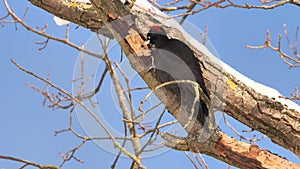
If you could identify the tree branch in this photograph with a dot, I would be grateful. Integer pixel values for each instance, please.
(232, 151)
(87, 18)
(29, 163)
(240, 101)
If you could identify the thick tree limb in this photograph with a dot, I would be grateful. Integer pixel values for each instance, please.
(259, 112)
(233, 152)
(86, 17)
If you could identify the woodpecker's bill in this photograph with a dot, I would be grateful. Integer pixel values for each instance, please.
(174, 60)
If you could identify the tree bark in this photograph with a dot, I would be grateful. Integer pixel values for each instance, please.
(241, 102)
(231, 151)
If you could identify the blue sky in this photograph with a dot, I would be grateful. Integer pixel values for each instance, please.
(27, 128)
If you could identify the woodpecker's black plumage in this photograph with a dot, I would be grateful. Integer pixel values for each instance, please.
(174, 60)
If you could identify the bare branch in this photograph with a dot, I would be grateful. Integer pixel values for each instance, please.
(122, 101)
(132, 156)
(57, 100)
(123, 144)
(42, 33)
(71, 154)
(251, 140)
(195, 6)
(155, 130)
(295, 96)
(292, 61)
(230, 149)
(202, 163)
(198, 91)
(28, 163)
(190, 158)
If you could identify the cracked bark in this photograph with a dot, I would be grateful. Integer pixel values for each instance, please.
(258, 112)
(232, 151)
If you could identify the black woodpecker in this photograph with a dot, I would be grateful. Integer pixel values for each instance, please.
(174, 60)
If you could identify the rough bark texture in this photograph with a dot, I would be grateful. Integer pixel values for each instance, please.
(259, 112)
(250, 156)
(232, 151)
(86, 17)
(239, 101)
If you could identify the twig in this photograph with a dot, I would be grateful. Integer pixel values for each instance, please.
(117, 145)
(195, 6)
(122, 102)
(197, 159)
(289, 60)
(71, 154)
(47, 36)
(191, 160)
(147, 111)
(123, 145)
(97, 89)
(28, 163)
(56, 99)
(202, 159)
(129, 98)
(199, 93)
(295, 96)
(44, 43)
(251, 140)
(155, 130)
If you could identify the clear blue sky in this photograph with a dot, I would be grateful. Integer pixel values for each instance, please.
(27, 128)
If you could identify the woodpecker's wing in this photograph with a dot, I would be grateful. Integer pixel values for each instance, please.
(182, 51)
(174, 60)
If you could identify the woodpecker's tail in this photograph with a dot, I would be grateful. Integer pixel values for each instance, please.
(203, 113)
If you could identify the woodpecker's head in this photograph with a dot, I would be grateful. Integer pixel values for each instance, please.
(157, 37)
